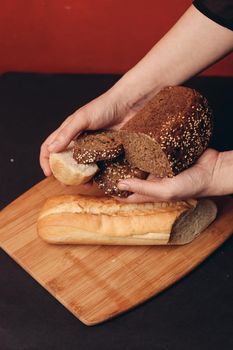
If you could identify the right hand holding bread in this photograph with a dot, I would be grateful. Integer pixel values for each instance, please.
(200, 180)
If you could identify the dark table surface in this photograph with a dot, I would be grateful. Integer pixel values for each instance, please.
(195, 313)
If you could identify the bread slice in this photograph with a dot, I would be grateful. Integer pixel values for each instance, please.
(111, 172)
(103, 220)
(66, 170)
(93, 146)
(169, 133)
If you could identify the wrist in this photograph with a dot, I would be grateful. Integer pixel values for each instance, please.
(134, 89)
(221, 181)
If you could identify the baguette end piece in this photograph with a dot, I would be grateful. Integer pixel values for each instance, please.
(192, 222)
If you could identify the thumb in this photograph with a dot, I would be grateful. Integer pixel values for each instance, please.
(159, 189)
(68, 132)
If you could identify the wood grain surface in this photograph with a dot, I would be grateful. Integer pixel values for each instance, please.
(99, 282)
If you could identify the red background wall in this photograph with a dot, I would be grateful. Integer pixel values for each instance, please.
(86, 36)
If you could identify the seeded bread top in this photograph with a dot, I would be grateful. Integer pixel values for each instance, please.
(179, 120)
(95, 146)
(112, 172)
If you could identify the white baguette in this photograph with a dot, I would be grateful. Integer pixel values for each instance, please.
(66, 170)
(94, 220)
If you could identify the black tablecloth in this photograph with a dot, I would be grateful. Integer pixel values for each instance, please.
(195, 313)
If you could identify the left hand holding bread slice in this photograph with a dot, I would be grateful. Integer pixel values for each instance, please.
(103, 112)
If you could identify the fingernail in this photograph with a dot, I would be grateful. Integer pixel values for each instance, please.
(47, 172)
(52, 146)
(122, 186)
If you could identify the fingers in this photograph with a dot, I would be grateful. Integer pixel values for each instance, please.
(67, 132)
(44, 153)
(152, 190)
(101, 112)
(61, 138)
(136, 198)
(193, 182)
(189, 183)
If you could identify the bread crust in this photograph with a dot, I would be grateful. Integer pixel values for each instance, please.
(192, 222)
(103, 220)
(172, 130)
(111, 172)
(93, 146)
(67, 171)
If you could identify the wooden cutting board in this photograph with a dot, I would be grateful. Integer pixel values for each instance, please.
(99, 282)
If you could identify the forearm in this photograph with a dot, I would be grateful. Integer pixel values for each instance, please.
(192, 44)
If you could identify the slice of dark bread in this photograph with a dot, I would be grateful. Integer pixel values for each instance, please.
(111, 172)
(94, 146)
(169, 133)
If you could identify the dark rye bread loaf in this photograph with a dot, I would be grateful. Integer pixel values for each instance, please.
(93, 146)
(171, 132)
(111, 172)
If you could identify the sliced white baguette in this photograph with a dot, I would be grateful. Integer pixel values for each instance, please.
(66, 170)
(77, 219)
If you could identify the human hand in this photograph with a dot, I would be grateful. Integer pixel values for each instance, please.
(107, 111)
(200, 180)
